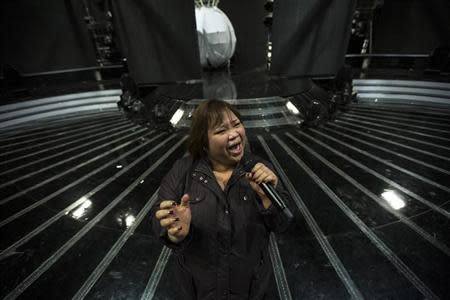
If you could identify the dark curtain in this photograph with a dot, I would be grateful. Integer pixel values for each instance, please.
(411, 26)
(310, 37)
(251, 34)
(42, 36)
(158, 38)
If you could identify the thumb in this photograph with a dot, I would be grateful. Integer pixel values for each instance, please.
(185, 200)
(256, 188)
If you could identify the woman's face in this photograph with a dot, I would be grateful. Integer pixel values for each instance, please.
(226, 141)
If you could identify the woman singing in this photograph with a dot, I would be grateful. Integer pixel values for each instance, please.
(213, 213)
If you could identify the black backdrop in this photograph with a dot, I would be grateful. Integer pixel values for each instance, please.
(159, 39)
(411, 26)
(247, 18)
(42, 36)
(310, 37)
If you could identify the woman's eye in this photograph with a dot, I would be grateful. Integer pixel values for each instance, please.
(237, 124)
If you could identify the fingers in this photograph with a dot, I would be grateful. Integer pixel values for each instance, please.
(185, 200)
(256, 188)
(167, 204)
(170, 214)
(261, 173)
(167, 217)
(263, 177)
(166, 209)
(164, 213)
(168, 222)
(175, 230)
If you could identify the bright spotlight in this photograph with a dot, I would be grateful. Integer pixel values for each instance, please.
(176, 117)
(393, 199)
(291, 107)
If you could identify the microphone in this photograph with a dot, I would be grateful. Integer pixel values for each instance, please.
(270, 191)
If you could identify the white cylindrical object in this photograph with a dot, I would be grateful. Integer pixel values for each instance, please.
(216, 37)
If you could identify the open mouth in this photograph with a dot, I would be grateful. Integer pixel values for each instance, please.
(235, 149)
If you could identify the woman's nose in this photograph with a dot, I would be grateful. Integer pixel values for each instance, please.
(233, 134)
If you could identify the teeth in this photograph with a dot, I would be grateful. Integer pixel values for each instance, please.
(233, 146)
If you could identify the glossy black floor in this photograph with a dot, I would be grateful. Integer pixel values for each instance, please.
(371, 204)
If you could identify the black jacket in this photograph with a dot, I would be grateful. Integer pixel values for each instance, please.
(225, 255)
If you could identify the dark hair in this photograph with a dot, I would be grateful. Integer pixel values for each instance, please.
(207, 115)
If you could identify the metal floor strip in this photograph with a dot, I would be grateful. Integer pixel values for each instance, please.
(402, 218)
(381, 177)
(379, 244)
(21, 287)
(386, 149)
(383, 139)
(335, 261)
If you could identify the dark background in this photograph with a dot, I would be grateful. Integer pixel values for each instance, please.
(310, 37)
(411, 26)
(42, 36)
(251, 34)
(159, 40)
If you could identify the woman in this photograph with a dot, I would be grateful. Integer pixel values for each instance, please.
(214, 214)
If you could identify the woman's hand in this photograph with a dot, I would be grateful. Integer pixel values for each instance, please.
(260, 173)
(175, 218)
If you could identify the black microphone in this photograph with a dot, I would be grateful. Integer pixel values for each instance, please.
(269, 190)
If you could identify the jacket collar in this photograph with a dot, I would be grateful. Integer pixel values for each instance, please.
(204, 166)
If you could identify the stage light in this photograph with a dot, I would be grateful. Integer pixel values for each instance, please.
(176, 117)
(269, 5)
(393, 199)
(129, 220)
(81, 210)
(292, 108)
(268, 20)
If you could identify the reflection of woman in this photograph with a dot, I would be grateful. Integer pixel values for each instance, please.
(214, 215)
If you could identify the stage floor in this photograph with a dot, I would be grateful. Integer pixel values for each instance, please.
(370, 193)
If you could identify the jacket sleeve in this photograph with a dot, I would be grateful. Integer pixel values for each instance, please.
(171, 188)
(273, 216)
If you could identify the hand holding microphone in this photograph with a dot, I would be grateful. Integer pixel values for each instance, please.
(261, 174)
(263, 181)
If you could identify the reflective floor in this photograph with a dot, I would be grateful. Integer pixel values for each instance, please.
(371, 194)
